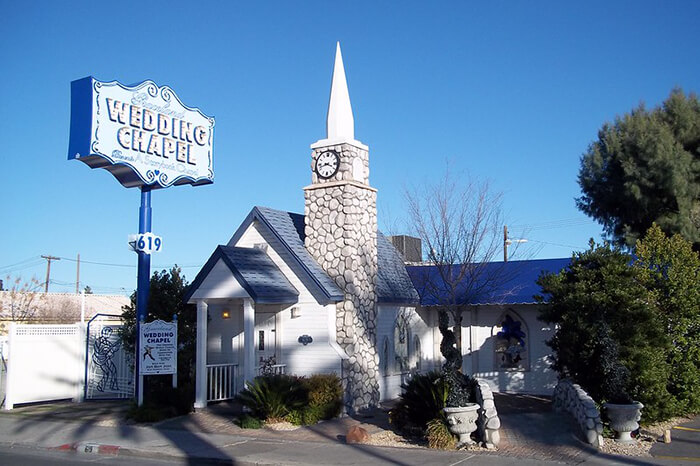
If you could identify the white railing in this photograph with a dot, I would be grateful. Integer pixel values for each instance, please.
(221, 381)
(274, 369)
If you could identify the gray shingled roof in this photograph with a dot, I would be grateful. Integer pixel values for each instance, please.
(284, 232)
(393, 283)
(286, 235)
(265, 281)
(254, 270)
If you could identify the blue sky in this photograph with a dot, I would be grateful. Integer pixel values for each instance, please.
(508, 91)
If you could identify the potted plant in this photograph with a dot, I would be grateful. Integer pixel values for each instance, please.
(460, 410)
(623, 412)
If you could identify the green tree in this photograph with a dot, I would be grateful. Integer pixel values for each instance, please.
(165, 300)
(645, 168)
(671, 270)
(610, 339)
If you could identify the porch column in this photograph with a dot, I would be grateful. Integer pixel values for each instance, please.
(200, 393)
(248, 340)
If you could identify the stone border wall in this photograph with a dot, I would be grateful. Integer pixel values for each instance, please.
(488, 422)
(570, 397)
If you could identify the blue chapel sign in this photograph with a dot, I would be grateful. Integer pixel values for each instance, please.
(143, 134)
(147, 138)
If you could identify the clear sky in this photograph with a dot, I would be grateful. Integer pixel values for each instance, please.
(509, 91)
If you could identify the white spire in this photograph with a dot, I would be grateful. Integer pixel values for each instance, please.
(339, 122)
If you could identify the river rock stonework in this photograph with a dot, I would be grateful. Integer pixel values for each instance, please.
(341, 234)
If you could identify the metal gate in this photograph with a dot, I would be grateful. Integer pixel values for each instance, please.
(109, 368)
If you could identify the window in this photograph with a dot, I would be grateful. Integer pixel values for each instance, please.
(261, 340)
(385, 357)
(510, 348)
(417, 355)
(401, 340)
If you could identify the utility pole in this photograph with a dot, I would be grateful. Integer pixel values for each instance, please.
(77, 278)
(507, 242)
(48, 269)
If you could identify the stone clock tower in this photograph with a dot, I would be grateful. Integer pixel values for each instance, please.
(341, 234)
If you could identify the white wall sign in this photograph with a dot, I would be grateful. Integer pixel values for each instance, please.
(142, 134)
(158, 348)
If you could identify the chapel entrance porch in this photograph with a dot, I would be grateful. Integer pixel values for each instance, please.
(224, 359)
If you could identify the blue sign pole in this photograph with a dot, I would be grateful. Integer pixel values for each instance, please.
(144, 283)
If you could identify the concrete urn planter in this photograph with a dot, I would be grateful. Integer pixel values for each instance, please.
(624, 419)
(462, 421)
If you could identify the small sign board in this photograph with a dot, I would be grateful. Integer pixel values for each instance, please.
(143, 134)
(145, 242)
(158, 348)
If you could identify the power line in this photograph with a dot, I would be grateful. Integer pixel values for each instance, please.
(553, 224)
(557, 244)
(107, 264)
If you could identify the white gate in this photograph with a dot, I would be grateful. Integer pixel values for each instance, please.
(45, 362)
(109, 370)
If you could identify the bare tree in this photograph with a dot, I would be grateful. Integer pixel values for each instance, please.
(459, 222)
(22, 302)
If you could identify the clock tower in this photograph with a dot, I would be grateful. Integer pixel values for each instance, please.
(341, 234)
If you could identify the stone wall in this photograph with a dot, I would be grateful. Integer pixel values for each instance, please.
(570, 397)
(341, 234)
(488, 422)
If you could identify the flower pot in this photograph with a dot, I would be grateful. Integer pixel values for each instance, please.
(624, 419)
(462, 421)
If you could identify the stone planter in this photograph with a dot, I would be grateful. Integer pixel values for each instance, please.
(462, 421)
(623, 419)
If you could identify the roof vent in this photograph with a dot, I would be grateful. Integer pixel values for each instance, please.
(408, 246)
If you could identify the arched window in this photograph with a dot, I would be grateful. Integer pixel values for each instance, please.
(511, 343)
(417, 354)
(385, 356)
(401, 340)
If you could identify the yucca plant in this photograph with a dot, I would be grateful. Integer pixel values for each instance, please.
(273, 396)
(422, 400)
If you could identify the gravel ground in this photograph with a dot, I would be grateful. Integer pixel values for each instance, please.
(648, 435)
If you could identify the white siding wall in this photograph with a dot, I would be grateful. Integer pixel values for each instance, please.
(390, 376)
(225, 336)
(318, 357)
(538, 378)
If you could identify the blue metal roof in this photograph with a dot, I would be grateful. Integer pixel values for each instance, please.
(494, 282)
(256, 273)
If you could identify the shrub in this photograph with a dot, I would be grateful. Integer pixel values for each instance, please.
(611, 339)
(273, 396)
(325, 395)
(423, 398)
(439, 435)
(249, 422)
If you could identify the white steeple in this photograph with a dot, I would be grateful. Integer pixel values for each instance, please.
(340, 124)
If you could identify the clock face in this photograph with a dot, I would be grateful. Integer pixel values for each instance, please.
(327, 164)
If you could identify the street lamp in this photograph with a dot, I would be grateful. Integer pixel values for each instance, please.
(508, 241)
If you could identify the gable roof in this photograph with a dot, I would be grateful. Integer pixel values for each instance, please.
(254, 270)
(516, 282)
(393, 283)
(284, 232)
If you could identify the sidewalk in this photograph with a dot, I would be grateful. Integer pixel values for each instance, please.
(529, 437)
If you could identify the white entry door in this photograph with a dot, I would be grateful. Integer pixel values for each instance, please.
(264, 336)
